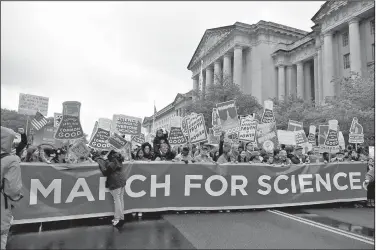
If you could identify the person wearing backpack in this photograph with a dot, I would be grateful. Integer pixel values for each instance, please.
(11, 182)
(112, 167)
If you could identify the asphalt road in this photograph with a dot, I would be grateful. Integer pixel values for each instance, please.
(242, 230)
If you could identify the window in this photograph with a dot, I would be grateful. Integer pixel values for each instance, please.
(346, 61)
(372, 26)
(345, 39)
(373, 52)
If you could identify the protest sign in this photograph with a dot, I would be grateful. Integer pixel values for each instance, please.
(356, 132)
(371, 152)
(46, 136)
(176, 136)
(215, 118)
(268, 115)
(331, 141)
(80, 149)
(70, 126)
(80, 192)
(294, 125)
(184, 125)
(101, 135)
(248, 127)
(57, 119)
(323, 133)
(217, 130)
(116, 141)
(312, 135)
(197, 129)
(94, 130)
(228, 116)
(286, 137)
(212, 138)
(267, 136)
(302, 140)
(30, 104)
(126, 125)
(138, 139)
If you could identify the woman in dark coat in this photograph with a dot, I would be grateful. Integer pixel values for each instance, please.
(112, 168)
(148, 153)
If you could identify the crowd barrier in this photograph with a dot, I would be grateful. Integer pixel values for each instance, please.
(62, 192)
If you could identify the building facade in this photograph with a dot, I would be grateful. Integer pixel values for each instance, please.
(166, 117)
(270, 60)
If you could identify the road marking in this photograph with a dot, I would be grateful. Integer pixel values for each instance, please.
(325, 227)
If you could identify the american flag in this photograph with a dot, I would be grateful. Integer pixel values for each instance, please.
(39, 121)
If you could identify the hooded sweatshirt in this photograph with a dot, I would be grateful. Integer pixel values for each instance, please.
(11, 182)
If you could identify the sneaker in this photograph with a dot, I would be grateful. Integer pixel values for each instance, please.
(115, 222)
(120, 223)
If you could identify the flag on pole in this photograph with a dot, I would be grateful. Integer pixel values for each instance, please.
(201, 80)
(39, 121)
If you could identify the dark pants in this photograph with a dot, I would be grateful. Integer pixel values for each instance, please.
(371, 190)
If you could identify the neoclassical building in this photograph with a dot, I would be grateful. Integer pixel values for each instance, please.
(272, 60)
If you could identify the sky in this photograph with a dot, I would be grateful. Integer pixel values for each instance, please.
(117, 57)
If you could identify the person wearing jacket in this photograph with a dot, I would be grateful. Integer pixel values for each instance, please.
(160, 137)
(242, 157)
(369, 184)
(112, 168)
(184, 156)
(204, 155)
(164, 153)
(146, 148)
(23, 142)
(11, 182)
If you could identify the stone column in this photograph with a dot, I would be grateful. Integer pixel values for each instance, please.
(281, 82)
(227, 68)
(217, 72)
(238, 66)
(299, 80)
(354, 43)
(316, 84)
(195, 87)
(209, 78)
(328, 66)
(307, 81)
(290, 82)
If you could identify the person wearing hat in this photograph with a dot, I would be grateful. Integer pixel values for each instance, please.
(339, 157)
(298, 157)
(248, 150)
(204, 154)
(184, 156)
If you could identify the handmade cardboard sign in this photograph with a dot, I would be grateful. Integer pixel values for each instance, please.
(286, 137)
(94, 130)
(248, 127)
(212, 138)
(217, 130)
(30, 104)
(138, 139)
(101, 135)
(268, 115)
(80, 149)
(126, 125)
(196, 129)
(294, 125)
(228, 116)
(70, 126)
(116, 141)
(312, 135)
(215, 118)
(331, 141)
(267, 136)
(176, 136)
(57, 119)
(341, 140)
(302, 140)
(356, 132)
(184, 125)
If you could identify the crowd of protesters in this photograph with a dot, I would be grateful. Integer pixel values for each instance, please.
(110, 162)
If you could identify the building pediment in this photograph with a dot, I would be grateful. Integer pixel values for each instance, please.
(210, 39)
(327, 8)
